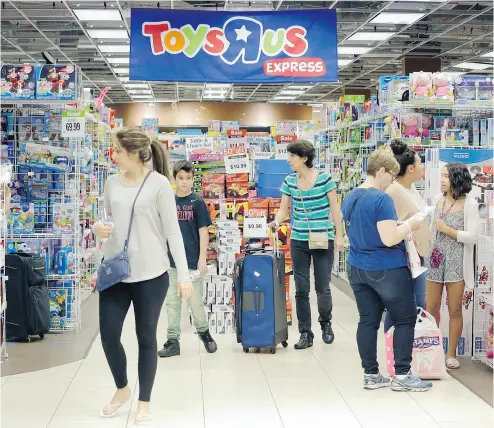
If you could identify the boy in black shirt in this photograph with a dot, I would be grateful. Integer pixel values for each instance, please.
(194, 219)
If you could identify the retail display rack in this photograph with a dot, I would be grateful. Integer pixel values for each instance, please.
(5, 177)
(59, 154)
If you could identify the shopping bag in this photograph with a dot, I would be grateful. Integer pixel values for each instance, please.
(413, 259)
(428, 352)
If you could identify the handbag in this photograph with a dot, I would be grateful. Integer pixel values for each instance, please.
(317, 240)
(117, 268)
(437, 257)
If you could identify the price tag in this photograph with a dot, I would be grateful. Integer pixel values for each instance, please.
(255, 227)
(236, 160)
(73, 124)
(281, 151)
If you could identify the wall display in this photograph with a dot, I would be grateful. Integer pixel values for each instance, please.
(233, 47)
(150, 126)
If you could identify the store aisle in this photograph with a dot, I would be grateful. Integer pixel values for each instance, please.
(291, 389)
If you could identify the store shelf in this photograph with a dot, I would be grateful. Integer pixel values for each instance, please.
(41, 236)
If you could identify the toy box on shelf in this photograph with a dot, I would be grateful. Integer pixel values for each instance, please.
(17, 82)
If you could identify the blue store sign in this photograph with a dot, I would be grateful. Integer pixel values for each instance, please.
(233, 47)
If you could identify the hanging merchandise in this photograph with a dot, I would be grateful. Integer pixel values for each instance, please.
(233, 47)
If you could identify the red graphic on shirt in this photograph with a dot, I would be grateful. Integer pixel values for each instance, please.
(185, 212)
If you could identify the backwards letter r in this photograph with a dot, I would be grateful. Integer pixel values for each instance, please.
(154, 30)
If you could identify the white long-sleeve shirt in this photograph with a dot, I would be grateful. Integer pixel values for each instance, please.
(155, 222)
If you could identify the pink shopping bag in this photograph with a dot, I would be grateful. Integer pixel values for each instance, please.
(428, 353)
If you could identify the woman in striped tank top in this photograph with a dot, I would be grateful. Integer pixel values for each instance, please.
(315, 210)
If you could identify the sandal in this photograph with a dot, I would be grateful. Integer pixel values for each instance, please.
(109, 407)
(144, 421)
(452, 364)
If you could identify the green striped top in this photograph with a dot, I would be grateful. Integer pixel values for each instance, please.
(316, 204)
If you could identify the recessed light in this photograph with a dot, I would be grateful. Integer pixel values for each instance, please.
(472, 66)
(396, 18)
(108, 34)
(343, 62)
(115, 60)
(351, 50)
(97, 15)
(489, 55)
(121, 70)
(370, 35)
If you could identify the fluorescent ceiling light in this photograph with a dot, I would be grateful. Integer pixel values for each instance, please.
(113, 60)
(140, 91)
(121, 70)
(396, 18)
(371, 35)
(278, 97)
(304, 88)
(343, 62)
(114, 48)
(108, 34)
(85, 46)
(472, 66)
(123, 79)
(136, 85)
(97, 14)
(352, 50)
(489, 55)
(290, 92)
(142, 96)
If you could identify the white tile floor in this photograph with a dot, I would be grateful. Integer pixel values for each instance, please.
(292, 389)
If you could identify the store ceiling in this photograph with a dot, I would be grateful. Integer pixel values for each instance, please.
(457, 31)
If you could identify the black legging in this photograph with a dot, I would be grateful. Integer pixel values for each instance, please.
(147, 298)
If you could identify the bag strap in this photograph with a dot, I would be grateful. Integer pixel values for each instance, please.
(126, 245)
(303, 205)
(347, 223)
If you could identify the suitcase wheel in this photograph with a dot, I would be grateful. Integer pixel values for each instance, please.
(285, 344)
(42, 336)
(246, 350)
(272, 350)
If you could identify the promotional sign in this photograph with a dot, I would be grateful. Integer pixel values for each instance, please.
(73, 124)
(255, 227)
(236, 160)
(198, 145)
(281, 151)
(286, 138)
(234, 47)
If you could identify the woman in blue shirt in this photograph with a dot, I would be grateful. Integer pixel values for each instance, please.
(379, 274)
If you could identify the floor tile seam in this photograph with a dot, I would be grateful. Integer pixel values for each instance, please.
(342, 396)
(63, 396)
(270, 390)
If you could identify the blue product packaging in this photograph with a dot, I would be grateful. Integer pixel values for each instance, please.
(461, 346)
(17, 82)
(69, 251)
(61, 266)
(478, 344)
(445, 345)
(384, 96)
(57, 82)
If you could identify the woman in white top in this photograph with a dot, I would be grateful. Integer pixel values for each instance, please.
(154, 224)
(451, 261)
(408, 202)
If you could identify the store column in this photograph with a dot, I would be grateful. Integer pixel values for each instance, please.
(413, 64)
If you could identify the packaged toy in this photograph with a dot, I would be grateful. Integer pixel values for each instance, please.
(57, 82)
(485, 91)
(58, 308)
(45, 156)
(421, 87)
(31, 129)
(411, 124)
(63, 218)
(384, 93)
(17, 82)
(399, 89)
(21, 219)
(237, 185)
(213, 186)
(426, 125)
(443, 88)
(444, 121)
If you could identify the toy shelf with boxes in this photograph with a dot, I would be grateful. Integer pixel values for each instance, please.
(53, 147)
(5, 177)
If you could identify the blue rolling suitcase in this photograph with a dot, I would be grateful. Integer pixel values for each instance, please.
(260, 303)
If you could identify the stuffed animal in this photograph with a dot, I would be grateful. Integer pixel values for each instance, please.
(421, 89)
(426, 124)
(442, 88)
(410, 125)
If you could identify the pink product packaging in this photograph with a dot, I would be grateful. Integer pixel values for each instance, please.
(443, 88)
(421, 87)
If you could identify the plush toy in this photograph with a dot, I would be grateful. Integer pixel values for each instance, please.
(410, 125)
(442, 87)
(422, 83)
(426, 124)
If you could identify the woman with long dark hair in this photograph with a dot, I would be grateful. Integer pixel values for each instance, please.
(154, 223)
(451, 261)
(408, 202)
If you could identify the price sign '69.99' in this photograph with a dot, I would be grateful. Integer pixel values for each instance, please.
(73, 124)
(236, 160)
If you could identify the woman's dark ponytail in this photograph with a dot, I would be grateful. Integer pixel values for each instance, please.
(160, 159)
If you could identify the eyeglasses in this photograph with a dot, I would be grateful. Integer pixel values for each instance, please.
(392, 175)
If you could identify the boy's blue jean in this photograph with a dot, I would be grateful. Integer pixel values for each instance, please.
(419, 285)
(375, 291)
